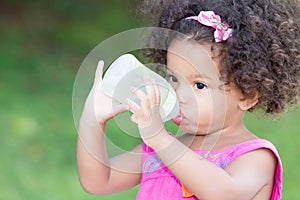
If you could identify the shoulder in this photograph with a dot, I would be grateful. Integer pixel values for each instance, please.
(254, 161)
(255, 152)
(260, 159)
(250, 145)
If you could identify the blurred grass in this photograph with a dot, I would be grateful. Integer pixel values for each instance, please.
(42, 44)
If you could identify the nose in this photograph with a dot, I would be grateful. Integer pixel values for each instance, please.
(182, 92)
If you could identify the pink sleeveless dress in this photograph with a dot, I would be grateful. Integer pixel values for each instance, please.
(158, 182)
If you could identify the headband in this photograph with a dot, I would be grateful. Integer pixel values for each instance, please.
(209, 18)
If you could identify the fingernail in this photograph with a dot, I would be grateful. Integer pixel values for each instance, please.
(100, 62)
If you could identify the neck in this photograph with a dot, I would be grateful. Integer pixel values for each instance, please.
(219, 139)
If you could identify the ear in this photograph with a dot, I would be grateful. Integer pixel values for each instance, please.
(247, 103)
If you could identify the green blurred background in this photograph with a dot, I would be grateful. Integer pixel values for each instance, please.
(42, 44)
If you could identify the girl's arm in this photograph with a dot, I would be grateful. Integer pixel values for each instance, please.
(97, 173)
(242, 179)
(100, 175)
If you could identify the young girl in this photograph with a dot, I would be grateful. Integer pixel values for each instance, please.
(236, 56)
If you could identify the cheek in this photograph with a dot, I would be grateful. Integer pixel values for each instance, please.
(212, 108)
(202, 110)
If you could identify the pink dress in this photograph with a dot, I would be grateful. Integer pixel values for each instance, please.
(158, 182)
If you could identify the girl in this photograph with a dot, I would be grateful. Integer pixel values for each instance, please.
(236, 56)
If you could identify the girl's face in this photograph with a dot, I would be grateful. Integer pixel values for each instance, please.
(206, 105)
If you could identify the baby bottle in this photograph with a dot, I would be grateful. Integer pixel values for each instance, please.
(127, 72)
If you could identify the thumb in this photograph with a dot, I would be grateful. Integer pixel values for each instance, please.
(133, 118)
(119, 108)
(99, 71)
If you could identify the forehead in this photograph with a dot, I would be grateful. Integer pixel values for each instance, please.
(188, 57)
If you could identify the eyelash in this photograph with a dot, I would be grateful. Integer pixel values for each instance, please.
(171, 78)
(200, 86)
(197, 85)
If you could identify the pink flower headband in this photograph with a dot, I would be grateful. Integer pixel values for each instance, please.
(209, 18)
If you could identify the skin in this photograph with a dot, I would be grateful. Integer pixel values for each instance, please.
(216, 121)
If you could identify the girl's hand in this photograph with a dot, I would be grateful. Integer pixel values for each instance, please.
(147, 115)
(98, 105)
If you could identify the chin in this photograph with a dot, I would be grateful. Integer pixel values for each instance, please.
(194, 130)
(188, 129)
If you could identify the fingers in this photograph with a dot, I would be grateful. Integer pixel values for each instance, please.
(137, 110)
(157, 93)
(149, 102)
(152, 91)
(133, 118)
(149, 99)
(99, 71)
(144, 100)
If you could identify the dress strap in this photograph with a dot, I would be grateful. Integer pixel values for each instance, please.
(255, 144)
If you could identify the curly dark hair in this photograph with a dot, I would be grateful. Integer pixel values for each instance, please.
(263, 58)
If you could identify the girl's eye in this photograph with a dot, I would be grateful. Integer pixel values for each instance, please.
(172, 78)
(200, 86)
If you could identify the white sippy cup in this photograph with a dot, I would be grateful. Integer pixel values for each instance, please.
(127, 72)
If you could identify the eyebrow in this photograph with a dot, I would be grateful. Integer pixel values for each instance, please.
(201, 76)
(194, 75)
